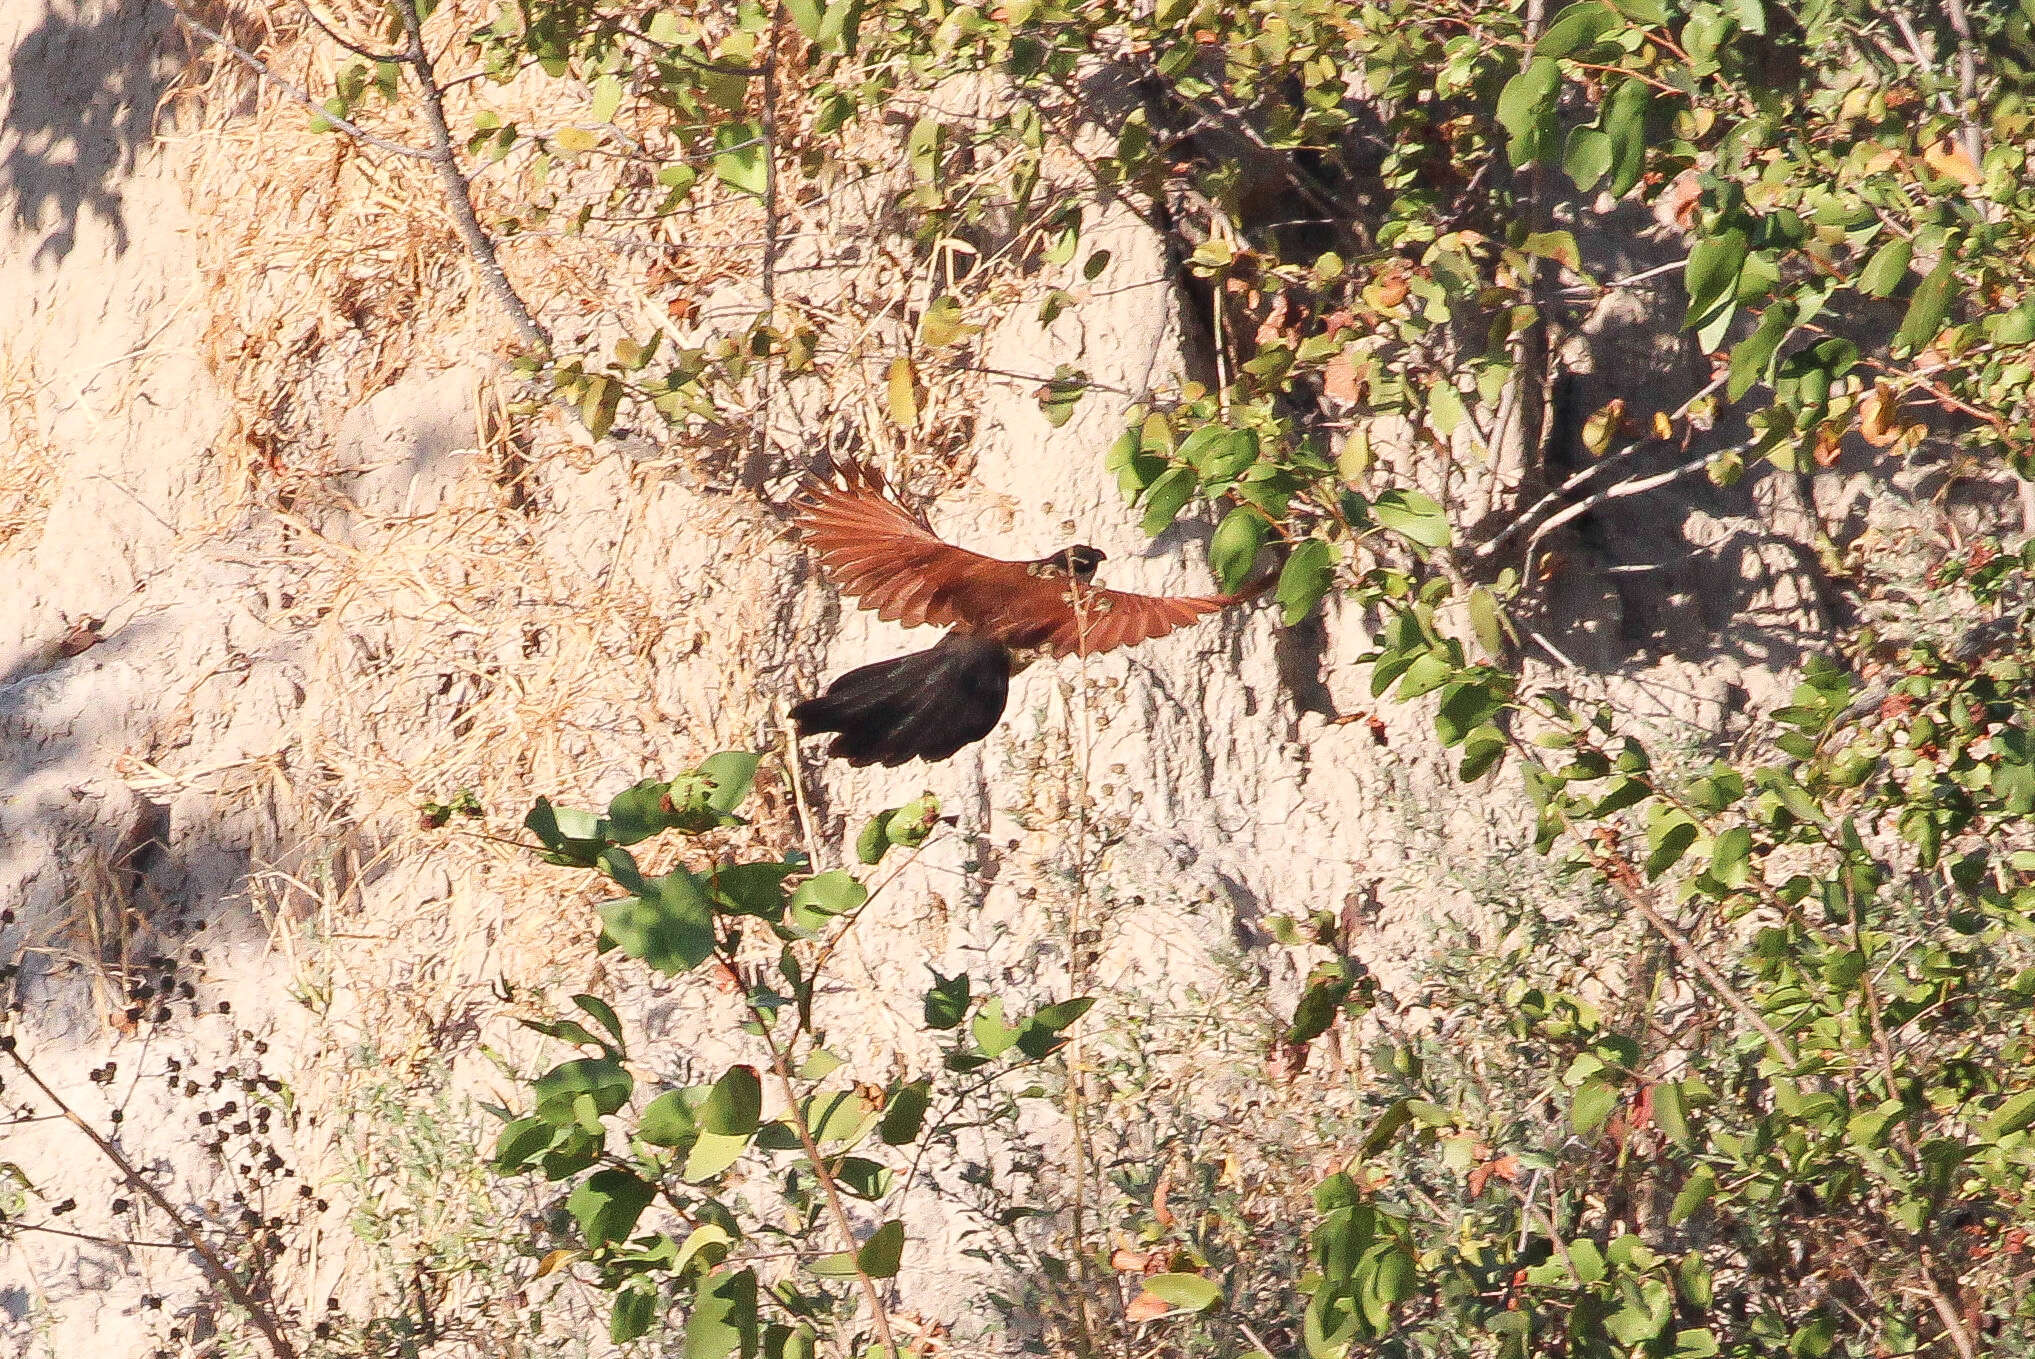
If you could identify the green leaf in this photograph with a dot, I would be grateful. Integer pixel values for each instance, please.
(1526, 109)
(1731, 856)
(806, 15)
(1061, 1015)
(607, 1203)
(1587, 157)
(1327, 988)
(1190, 1292)
(1701, 1185)
(1483, 748)
(1625, 125)
(668, 1120)
(603, 1014)
(991, 1034)
(872, 844)
(1930, 305)
(572, 838)
(1887, 267)
(1671, 1111)
(1752, 357)
(2014, 1113)
(908, 826)
(883, 1251)
(708, 1243)
(741, 159)
(1711, 275)
(1669, 833)
(636, 813)
(946, 1001)
(1235, 547)
(905, 1115)
(723, 1320)
(1593, 1102)
(1167, 497)
(750, 889)
(1576, 27)
(607, 98)
(669, 925)
(1559, 246)
(634, 1311)
(1412, 516)
(1305, 578)
(838, 1116)
(713, 1153)
(731, 772)
(825, 896)
(735, 1105)
(601, 1078)
(941, 325)
(863, 1178)
(522, 1140)
(1486, 622)
(2015, 327)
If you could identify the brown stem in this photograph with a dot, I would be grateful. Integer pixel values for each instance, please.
(458, 195)
(1619, 876)
(1946, 1311)
(261, 68)
(1967, 79)
(781, 1069)
(214, 1268)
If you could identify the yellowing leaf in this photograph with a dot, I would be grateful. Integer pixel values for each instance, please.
(1602, 427)
(1879, 417)
(575, 139)
(553, 1261)
(1950, 161)
(1339, 379)
(942, 325)
(1663, 428)
(901, 390)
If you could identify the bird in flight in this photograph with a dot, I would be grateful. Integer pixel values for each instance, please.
(1002, 616)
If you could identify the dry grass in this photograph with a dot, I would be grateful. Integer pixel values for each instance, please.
(28, 471)
(567, 620)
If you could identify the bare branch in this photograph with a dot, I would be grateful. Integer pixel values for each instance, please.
(215, 1269)
(1594, 470)
(261, 68)
(457, 194)
(329, 31)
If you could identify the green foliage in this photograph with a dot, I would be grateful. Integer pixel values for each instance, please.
(1828, 1050)
(659, 1182)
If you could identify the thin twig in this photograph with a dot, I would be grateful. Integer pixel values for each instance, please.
(766, 382)
(1636, 486)
(1619, 875)
(329, 31)
(780, 1067)
(1960, 1335)
(1595, 469)
(215, 1268)
(1967, 79)
(261, 68)
(458, 196)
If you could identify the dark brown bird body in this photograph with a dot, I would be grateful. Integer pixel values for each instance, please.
(1003, 614)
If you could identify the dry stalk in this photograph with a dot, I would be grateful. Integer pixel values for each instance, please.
(215, 1269)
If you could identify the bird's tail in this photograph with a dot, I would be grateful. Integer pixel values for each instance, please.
(926, 705)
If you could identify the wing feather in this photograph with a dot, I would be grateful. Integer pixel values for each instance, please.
(889, 558)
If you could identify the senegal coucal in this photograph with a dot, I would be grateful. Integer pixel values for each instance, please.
(1002, 616)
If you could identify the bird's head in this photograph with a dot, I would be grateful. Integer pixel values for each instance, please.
(1078, 561)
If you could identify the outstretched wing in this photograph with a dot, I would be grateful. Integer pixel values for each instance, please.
(887, 557)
